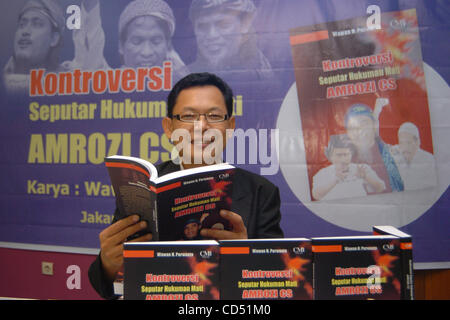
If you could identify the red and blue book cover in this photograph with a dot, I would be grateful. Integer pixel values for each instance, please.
(266, 269)
(177, 205)
(357, 268)
(171, 270)
(406, 248)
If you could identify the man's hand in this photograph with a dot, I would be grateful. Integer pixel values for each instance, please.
(112, 239)
(238, 231)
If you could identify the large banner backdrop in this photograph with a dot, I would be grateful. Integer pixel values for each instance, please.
(344, 104)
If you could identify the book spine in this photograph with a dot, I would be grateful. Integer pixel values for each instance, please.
(407, 279)
(407, 269)
(155, 219)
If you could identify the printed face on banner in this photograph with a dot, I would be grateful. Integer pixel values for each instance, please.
(361, 131)
(219, 36)
(408, 144)
(145, 43)
(33, 41)
(341, 158)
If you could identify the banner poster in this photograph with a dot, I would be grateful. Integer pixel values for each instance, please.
(342, 104)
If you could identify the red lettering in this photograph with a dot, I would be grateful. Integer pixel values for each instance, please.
(128, 80)
(36, 82)
(86, 77)
(50, 83)
(114, 80)
(331, 93)
(155, 82)
(326, 65)
(351, 89)
(341, 91)
(77, 76)
(65, 83)
(99, 82)
(167, 75)
(142, 74)
(260, 294)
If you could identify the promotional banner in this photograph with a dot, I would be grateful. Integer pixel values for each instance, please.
(342, 104)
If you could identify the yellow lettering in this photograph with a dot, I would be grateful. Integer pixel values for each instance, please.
(96, 148)
(144, 146)
(36, 150)
(77, 148)
(56, 148)
(34, 114)
(165, 143)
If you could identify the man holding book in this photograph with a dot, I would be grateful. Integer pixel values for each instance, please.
(199, 120)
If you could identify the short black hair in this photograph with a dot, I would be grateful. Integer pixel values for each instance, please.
(339, 141)
(200, 80)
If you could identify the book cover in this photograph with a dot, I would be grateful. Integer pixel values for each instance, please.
(363, 106)
(406, 249)
(357, 268)
(177, 205)
(266, 269)
(171, 270)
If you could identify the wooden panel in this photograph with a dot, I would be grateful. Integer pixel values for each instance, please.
(432, 284)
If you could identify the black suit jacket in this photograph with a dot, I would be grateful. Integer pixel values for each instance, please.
(254, 198)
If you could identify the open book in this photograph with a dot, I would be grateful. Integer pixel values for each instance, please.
(177, 205)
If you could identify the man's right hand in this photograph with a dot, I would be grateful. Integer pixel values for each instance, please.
(112, 239)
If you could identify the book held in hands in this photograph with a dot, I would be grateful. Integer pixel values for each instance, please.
(176, 205)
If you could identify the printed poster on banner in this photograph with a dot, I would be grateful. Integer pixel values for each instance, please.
(364, 106)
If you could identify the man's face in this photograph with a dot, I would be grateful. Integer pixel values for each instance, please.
(219, 36)
(191, 230)
(33, 39)
(341, 158)
(408, 145)
(145, 44)
(201, 135)
(361, 131)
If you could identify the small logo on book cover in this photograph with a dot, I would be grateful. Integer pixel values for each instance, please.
(206, 254)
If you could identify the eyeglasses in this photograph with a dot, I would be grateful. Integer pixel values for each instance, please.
(195, 116)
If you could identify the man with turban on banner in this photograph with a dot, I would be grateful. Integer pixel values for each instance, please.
(225, 45)
(362, 129)
(38, 40)
(146, 28)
